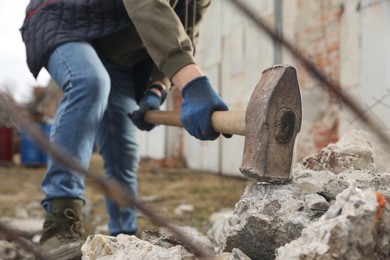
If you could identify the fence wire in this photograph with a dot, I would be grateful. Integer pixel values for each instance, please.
(326, 82)
(113, 189)
(120, 194)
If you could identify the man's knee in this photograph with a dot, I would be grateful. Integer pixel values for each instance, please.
(97, 85)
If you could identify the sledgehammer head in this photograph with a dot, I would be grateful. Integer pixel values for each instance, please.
(273, 120)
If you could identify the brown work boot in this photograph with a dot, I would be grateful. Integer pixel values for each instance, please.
(63, 234)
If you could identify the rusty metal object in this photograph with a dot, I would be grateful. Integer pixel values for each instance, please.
(273, 120)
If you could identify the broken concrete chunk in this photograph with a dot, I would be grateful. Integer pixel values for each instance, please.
(338, 159)
(316, 202)
(183, 209)
(236, 254)
(312, 181)
(165, 239)
(360, 223)
(7, 250)
(320, 214)
(328, 184)
(100, 247)
(12, 251)
(121, 247)
(381, 152)
(222, 214)
(28, 227)
(265, 217)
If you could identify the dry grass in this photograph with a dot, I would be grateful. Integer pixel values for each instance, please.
(170, 187)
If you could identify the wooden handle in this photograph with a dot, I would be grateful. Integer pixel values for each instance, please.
(226, 122)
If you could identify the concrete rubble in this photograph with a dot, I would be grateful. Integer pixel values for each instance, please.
(356, 226)
(265, 218)
(331, 196)
(28, 222)
(334, 208)
(268, 216)
(155, 245)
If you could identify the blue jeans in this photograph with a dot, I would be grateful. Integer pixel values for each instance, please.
(96, 99)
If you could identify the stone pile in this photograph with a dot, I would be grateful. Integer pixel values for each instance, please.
(270, 216)
(336, 207)
(28, 221)
(357, 226)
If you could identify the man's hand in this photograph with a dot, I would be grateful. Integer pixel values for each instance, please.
(200, 101)
(149, 101)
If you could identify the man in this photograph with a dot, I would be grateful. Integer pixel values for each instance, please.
(107, 56)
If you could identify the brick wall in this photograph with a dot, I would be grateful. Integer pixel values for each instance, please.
(317, 35)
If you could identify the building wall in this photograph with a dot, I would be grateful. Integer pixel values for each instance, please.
(373, 88)
(240, 52)
(347, 39)
(233, 54)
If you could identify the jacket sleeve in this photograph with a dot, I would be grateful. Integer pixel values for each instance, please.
(162, 34)
(157, 75)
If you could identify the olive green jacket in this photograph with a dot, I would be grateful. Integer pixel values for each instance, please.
(157, 32)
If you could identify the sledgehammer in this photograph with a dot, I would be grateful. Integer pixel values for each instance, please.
(270, 125)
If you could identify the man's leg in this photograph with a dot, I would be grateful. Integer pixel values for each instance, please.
(118, 146)
(77, 69)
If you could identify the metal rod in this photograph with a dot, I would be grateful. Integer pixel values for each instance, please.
(113, 189)
(278, 25)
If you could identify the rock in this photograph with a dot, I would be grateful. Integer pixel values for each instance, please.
(123, 246)
(357, 226)
(156, 245)
(337, 159)
(217, 219)
(183, 208)
(222, 214)
(151, 198)
(7, 250)
(269, 216)
(165, 239)
(12, 251)
(158, 238)
(328, 184)
(236, 254)
(316, 202)
(265, 218)
(101, 229)
(194, 236)
(325, 183)
(21, 212)
(365, 180)
(28, 227)
(381, 152)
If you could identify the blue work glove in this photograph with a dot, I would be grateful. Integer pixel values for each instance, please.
(149, 101)
(200, 101)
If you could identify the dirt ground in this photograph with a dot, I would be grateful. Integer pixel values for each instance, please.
(163, 188)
